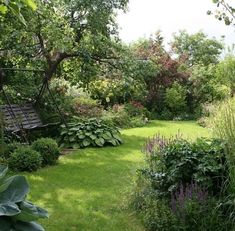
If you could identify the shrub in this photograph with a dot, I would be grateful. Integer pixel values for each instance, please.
(180, 186)
(10, 148)
(138, 122)
(25, 159)
(135, 108)
(158, 216)
(166, 114)
(192, 207)
(16, 212)
(175, 98)
(117, 116)
(91, 132)
(86, 107)
(49, 150)
(175, 161)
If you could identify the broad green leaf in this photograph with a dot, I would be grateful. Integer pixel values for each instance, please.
(81, 136)
(93, 137)
(76, 146)
(30, 212)
(100, 142)
(9, 209)
(86, 143)
(16, 191)
(28, 226)
(113, 142)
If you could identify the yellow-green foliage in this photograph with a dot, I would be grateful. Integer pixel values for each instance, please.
(222, 123)
(176, 98)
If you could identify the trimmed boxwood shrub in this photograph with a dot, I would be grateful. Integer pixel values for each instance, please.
(91, 132)
(25, 159)
(49, 150)
(10, 148)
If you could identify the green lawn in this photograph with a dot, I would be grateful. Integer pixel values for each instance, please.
(88, 190)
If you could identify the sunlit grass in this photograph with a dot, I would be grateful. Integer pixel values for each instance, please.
(87, 190)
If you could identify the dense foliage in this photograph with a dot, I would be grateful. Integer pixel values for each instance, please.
(16, 213)
(182, 183)
(91, 132)
(48, 149)
(25, 159)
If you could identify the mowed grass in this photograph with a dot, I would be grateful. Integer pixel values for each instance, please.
(88, 189)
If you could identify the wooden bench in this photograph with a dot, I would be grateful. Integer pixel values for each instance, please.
(18, 117)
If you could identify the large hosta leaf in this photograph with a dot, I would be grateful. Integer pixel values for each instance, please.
(100, 142)
(16, 214)
(30, 212)
(9, 209)
(27, 226)
(16, 190)
(86, 143)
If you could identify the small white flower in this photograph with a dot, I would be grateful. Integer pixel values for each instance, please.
(18, 94)
(45, 104)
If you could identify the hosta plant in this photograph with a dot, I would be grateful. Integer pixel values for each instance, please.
(91, 132)
(16, 213)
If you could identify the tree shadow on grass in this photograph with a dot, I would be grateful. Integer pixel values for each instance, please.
(86, 190)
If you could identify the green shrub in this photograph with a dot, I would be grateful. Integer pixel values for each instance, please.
(181, 186)
(176, 161)
(135, 109)
(49, 150)
(17, 213)
(86, 107)
(10, 148)
(138, 122)
(158, 216)
(166, 114)
(117, 117)
(90, 132)
(175, 98)
(193, 207)
(25, 159)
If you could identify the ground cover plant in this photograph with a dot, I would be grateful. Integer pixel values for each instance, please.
(91, 185)
(16, 213)
(90, 132)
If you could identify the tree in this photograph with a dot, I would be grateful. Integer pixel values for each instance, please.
(196, 48)
(159, 70)
(61, 30)
(204, 86)
(226, 12)
(15, 7)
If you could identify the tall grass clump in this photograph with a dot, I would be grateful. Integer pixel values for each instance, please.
(222, 123)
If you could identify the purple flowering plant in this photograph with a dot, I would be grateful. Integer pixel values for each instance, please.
(186, 198)
(154, 149)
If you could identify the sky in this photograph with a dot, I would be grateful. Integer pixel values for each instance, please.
(145, 17)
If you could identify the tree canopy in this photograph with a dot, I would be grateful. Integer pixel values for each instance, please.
(61, 30)
(196, 48)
